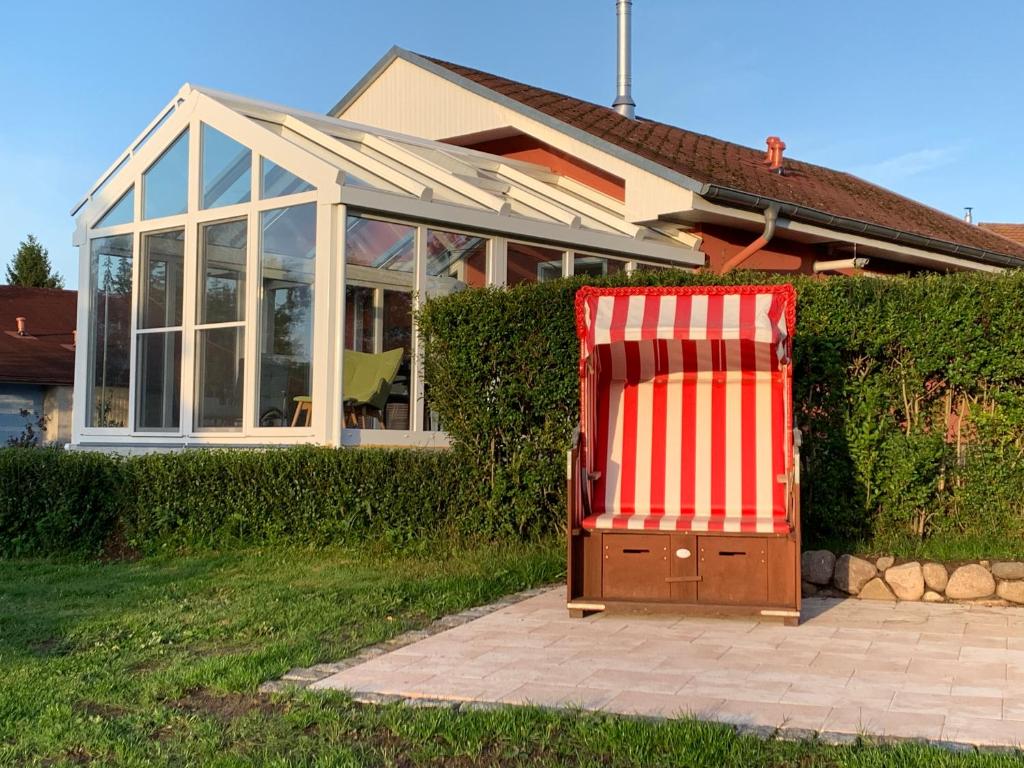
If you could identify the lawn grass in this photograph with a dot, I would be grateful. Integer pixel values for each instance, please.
(157, 662)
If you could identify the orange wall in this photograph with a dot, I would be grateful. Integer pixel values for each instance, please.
(722, 243)
(531, 150)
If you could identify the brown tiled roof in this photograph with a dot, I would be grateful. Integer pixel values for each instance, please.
(713, 161)
(1013, 232)
(41, 357)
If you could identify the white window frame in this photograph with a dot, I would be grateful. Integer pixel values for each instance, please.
(138, 331)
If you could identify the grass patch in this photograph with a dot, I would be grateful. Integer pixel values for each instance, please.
(157, 662)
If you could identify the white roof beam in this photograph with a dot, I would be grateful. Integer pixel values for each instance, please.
(595, 212)
(358, 159)
(435, 172)
(484, 221)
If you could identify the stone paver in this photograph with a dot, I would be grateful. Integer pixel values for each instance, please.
(948, 673)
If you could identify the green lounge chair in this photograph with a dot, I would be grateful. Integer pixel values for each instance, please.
(367, 381)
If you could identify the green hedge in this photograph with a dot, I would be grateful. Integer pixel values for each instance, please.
(878, 365)
(54, 501)
(59, 502)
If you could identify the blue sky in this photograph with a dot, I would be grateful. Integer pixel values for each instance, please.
(922, 97)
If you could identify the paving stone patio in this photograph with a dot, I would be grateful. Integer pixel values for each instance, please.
(952, 673)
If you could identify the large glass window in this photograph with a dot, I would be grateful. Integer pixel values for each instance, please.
(275, 181)
(360, 317)
(163, 262)
(227, 170)
(378, 372)
(455, 260)
(287, 261)
(529, 263)
(158, 383)
(382, 245)
(121, 212)
(109, 331)
(220, 325)
(158, 362)
(597, 266)
(165, 184)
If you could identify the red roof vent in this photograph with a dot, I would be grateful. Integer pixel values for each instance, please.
(773, 157)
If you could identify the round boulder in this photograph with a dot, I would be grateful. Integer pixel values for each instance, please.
(1011, 590)
(885, 562)
(969, 582)
(935, 576)
(817, 565)
(906, 581)
(852, 573)
(1008, 571)
(876, 590)
(933, 597)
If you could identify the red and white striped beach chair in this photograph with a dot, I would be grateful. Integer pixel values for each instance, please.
(684, 479)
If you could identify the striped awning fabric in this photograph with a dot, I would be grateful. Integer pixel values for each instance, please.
(761, 314)
(686, 411)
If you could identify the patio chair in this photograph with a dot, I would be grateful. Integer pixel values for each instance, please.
(367, 383)
(684, 474)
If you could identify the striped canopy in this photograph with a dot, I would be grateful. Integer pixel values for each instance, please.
(686, 406)
(758, 314)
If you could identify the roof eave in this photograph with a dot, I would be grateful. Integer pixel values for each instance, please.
(741, 199)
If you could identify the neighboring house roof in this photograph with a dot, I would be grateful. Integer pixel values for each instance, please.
(821, 195)
(1013, 232)
(45, 355)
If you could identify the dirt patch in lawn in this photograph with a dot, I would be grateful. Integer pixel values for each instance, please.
(225, 706)
(50, 646)
(77, 756)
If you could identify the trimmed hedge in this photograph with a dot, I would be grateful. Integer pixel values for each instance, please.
(910, 393)
(60, 502)
(54, 501)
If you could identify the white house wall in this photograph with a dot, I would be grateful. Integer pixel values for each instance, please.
(408, 99)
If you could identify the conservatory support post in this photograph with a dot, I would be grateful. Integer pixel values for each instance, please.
(324, 301)
(497, 262)
(337, 414)
(419, 293)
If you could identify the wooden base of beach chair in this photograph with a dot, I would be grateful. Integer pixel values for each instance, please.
(647, 608)
(696, 573)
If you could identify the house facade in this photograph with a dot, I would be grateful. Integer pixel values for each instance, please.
(250, 273)
(37, 362)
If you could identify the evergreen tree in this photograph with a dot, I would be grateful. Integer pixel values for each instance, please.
(31, 267)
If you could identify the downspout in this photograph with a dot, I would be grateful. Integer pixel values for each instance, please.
(771, 216)
(734, 197)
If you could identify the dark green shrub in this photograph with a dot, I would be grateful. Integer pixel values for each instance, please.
(884, 372)
(59, 502)
(310, 495)
(54, 501)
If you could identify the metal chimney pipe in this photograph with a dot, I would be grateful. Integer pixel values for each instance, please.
(624, 103)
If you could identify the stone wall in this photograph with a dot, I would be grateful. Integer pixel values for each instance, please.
(826, 575)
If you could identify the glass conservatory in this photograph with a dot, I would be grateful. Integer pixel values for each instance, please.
(249, 273)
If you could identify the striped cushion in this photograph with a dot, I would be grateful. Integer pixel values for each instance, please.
(688, 430)
(726, 524)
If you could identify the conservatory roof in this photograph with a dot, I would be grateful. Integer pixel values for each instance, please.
(386, 172)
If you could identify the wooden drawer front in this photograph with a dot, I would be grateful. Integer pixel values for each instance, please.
(636, 566)
(733, 570)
